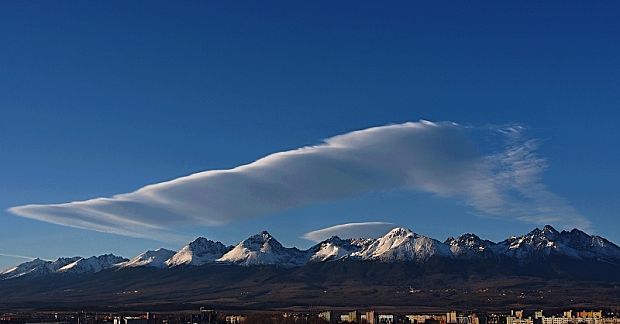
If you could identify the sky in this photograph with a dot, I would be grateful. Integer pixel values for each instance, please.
(443, 117)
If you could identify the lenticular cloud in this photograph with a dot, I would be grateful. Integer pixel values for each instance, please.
(494, 171)
(350, 230)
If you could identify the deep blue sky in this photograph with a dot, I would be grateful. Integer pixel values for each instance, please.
(100, 98)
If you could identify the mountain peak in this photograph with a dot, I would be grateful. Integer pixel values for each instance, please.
(32, 267)
(198, 252)
(547, 233)
(576, 231)
(198, 241)
(402, 244)
(333, 248)
(155, 259)
(466, 238)
(93, 264)
(262, 236)
(575, 244)
(263, 248)
(469, 245)
(399, 232)
(261, 240)
(550, 229)
(334, 239)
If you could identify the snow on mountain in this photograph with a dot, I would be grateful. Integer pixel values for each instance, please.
(401, 244)
(155, 259)
(336, 248)
(469, 245)
(263, 248)
(537, 243)
(92, 265)
(36, 267)
(25, 268)
(198, 252)
(548, 241)
(590, 246)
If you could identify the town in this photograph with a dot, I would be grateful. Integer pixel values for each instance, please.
(206, 316)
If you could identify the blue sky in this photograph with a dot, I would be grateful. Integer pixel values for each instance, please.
(103, 98)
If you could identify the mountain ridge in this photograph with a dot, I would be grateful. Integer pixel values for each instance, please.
(398, 245)
(543, 268)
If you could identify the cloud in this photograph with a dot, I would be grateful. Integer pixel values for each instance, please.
(15, 256)
(496, 171)
(350, 230)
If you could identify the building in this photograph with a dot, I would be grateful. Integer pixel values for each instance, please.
(327, 316)
(590, 314)
(354, 316)
(426, 319)
(134, 320)
(463, 319)
(556, 320)
(386, 319)
(516, 320)
(235, 319)
(495, 319)
(371, 317)
(451, 317)
(418, 319)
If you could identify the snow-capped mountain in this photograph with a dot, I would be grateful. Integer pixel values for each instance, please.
(36, 267)
(401, 244)
(336, 248)
(93, 264)
(548, 241)
(25, 268)
(74, 265)
(263, 248)
(155, 259)
(198, 252)
(590, 246)
(398, 245)
(469, 245)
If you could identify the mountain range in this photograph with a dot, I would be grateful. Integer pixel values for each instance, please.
(398, 245)
(544, 266)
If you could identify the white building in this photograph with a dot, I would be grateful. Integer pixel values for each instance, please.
(516, 320)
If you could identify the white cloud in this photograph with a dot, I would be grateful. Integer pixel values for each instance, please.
(350, 230)
(495, 171)
(16, 256)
